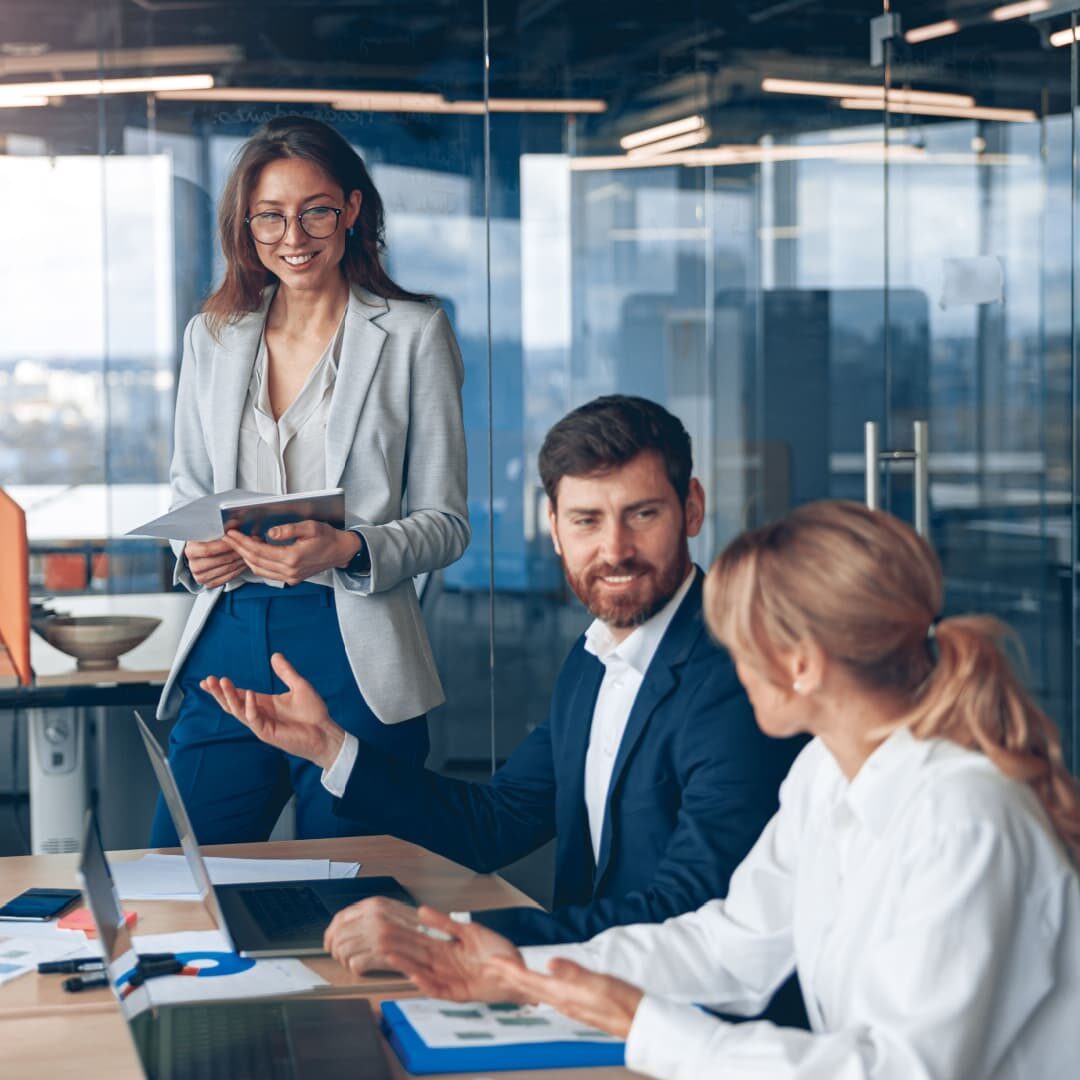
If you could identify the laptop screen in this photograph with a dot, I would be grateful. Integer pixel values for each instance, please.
(182, 824)
(99, 892)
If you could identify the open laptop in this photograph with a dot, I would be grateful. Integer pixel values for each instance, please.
(253, 1039)
(271, 918)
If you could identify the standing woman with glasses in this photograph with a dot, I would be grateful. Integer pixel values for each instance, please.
(310, 368)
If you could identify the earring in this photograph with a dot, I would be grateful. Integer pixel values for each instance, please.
(797, 686)
(350, 232)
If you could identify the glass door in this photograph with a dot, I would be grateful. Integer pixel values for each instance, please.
(979, 193)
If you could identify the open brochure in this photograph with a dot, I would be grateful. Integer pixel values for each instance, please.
(250, 511)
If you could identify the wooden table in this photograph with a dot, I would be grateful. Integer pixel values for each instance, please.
(47, 1034)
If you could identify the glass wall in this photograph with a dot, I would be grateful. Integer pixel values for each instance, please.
(779, 219)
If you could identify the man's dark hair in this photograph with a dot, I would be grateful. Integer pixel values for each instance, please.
(609, 432)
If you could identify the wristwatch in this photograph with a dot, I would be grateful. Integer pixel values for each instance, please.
(360, 563)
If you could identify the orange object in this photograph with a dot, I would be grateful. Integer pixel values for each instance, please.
(15, 587)
(65, 573)
(81, 919)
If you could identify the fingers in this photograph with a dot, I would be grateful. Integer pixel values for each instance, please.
(198, 549)
(288, 674)
(295, 530)
(438, 920)
(214, 570)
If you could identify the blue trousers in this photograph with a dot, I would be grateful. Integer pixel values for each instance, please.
(233, 785)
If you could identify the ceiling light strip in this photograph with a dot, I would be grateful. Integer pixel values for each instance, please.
(1018, 10)
(665, 146)
(871, 92)
(931, 31)
(94, 87)
(978, 112)
(662, 131)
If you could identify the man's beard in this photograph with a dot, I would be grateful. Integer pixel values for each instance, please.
(638, 604)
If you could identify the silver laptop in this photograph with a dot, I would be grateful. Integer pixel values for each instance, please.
(254, 1039)
(272, 918)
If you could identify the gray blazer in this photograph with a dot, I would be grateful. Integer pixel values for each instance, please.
(395, 442)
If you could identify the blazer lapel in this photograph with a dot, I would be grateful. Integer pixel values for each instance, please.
(230, 378)
(361, 345)
(659, 681)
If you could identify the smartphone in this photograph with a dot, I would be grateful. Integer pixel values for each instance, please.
(39, 905)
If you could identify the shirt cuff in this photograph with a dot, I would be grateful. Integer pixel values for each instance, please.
(336, 778)
(666, 1039)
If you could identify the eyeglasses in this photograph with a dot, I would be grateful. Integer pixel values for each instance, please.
(270, 227)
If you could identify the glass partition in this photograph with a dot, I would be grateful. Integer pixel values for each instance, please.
(781, 220)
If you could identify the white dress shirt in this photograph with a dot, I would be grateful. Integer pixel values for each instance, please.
(625, 663)
(288, 454)
(931, 913)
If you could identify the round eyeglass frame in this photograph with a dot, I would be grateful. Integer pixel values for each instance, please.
(300, 218)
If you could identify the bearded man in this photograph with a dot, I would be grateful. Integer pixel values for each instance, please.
(650, 771)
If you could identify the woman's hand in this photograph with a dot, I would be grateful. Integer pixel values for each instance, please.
(446, 959)
(213, 562)
(315, 547)
(601, 1001)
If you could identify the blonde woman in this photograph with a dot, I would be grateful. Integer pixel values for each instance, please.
(919, 875)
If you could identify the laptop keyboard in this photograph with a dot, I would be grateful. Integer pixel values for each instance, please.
(233, 1041)
(287, 913)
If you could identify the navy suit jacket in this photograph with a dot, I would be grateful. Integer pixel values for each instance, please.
(694, 783)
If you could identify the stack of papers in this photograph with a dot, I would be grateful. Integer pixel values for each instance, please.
(167, 877)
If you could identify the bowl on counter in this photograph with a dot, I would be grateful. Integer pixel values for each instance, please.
(96, 641)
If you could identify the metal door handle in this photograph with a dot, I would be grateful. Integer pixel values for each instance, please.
(920, 459)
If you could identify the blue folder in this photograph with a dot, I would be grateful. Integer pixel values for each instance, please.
(419, 1058)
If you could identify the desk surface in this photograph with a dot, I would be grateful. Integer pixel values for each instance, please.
(47, 1033)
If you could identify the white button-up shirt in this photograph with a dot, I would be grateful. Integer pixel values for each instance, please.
(625, 663)
(932, 915)
(276, 457)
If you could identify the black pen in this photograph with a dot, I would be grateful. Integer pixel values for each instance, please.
(69, 967)
(86, 982)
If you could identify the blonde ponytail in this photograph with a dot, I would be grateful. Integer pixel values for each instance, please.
(973, 697)
(867, 589)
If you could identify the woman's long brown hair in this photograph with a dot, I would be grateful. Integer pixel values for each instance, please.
(867, 589)
(245, 276)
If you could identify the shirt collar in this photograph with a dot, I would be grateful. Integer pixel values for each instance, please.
(884, 784)
(637, 649)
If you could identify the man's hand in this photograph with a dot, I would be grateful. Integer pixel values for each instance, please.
(212, 562)
(296, 721)
(315, 547)
(445, 959)
(601, 1001)
(360, 935)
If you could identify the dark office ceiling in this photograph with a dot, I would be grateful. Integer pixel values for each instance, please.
(649, 61)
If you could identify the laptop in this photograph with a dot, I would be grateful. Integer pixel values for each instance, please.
(252, 1039)
(269, 918)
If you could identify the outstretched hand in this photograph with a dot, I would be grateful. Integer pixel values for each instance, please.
(601, 1001)
(296, 721)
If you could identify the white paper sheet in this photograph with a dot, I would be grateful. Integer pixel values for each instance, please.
(446, 1024)
(21, 953)
(197, 520)
(166, 877)
(271, 976)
